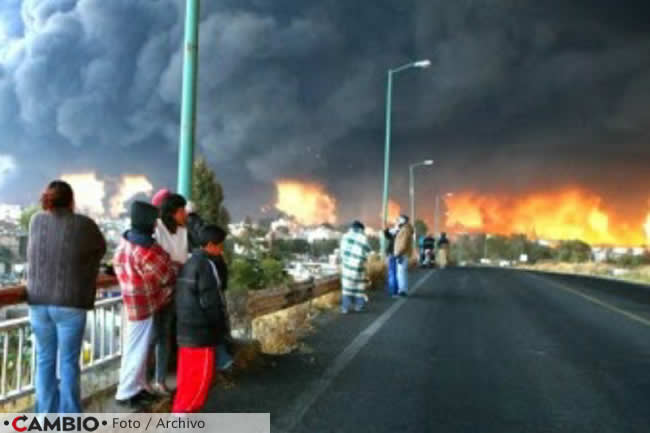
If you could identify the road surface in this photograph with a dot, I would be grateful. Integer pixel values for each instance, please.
(473, 350)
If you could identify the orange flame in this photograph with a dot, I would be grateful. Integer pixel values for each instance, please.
(570, 213)
(309, 203)
(394, 211)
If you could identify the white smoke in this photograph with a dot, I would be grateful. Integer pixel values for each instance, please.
(130, 186)
(90, 192)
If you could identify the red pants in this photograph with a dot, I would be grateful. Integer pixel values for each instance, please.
(194, 378)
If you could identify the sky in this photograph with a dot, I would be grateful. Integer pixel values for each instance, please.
(521, 96)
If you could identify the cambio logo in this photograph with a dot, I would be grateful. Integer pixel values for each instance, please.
(24, 423)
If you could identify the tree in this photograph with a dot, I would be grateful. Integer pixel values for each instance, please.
(537, 252)
(323, 248)
(573, 251)
(6, 257)
(421, 228)
(252, 274)
(26, 216)
(207, 195)
(5, 254)
(286, 249)
(273, 273)
(245, 274)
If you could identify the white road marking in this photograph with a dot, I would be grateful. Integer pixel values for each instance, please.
(308, 397)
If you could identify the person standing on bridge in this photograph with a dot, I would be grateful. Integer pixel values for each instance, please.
(391, 263)
(172, 236)
(146, 274)
(194, 225)
(202, 322)
(354, 252)
(403, 253)
(63, 253)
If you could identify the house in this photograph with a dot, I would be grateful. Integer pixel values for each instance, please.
(10, 212)
(321, 233)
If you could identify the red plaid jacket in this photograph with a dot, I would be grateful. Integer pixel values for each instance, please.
(146, 277)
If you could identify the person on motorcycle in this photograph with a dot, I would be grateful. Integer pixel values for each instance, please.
(428, 245)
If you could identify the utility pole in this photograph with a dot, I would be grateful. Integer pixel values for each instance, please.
(188, 104)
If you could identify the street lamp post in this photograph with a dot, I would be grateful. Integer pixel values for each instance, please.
(188, 105)
(389, 96)
(437, 213)
(412, 192)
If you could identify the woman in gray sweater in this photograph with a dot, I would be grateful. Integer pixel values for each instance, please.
(63, 253)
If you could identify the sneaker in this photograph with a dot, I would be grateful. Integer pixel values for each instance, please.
(226, 365)
(344, 311)
(141, 399)
(402, 294)
(161, 389)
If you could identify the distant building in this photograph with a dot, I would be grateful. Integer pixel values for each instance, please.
(605, 253)
(10, 212)
(321, 233)
(286, 226)
(16, 243)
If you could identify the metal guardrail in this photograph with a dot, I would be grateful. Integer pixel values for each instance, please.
(269, 301)
(103, 337)
(102, 343)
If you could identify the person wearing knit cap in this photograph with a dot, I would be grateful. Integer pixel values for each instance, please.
(146, 276)
(202, 323)
(354, 251)
(194, 225)
(159, 197)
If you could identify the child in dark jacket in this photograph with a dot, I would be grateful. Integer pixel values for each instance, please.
(201, 323)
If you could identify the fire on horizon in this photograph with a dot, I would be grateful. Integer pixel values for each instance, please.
(560, 214)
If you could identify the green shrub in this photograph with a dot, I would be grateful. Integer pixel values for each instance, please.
(245, 274)
(251, 274)
(273, 273)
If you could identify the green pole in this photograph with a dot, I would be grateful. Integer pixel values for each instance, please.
(384, 218)
(188, 107)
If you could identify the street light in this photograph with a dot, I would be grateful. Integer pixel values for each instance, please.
(425, 63)
(412, 192)
(436, 225)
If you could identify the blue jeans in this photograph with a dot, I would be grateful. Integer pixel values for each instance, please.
(348, 301)
(57, 330)
(402, 274)
(162, 322)
(391, 281)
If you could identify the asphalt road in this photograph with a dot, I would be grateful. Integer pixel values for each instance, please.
(473, 350)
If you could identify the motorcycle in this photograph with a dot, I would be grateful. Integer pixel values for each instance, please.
(429, 259)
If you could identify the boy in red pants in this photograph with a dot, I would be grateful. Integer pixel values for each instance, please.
(201, 322)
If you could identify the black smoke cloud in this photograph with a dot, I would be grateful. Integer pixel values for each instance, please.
(521, 95)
